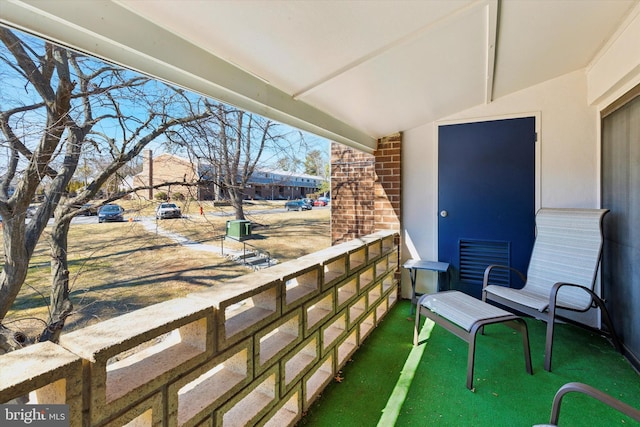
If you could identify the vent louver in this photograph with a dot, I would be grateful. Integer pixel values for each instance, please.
(476, 255)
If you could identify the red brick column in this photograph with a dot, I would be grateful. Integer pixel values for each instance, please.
(365, 189)
(388, 184)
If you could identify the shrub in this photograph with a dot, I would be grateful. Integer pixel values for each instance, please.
(161, 195)
(177, 196)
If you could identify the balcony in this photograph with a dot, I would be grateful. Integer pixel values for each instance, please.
(266, 347)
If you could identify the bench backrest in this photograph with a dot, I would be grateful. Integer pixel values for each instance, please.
(567, 248)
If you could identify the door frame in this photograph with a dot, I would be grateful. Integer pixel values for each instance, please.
(538, 154)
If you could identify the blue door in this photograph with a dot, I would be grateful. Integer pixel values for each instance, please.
(486, 199)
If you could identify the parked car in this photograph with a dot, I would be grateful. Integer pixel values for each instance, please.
(297, 205)
(31, 211)
(308, 201)
(324, 199)
(110, 212)
(168, 210)
(89, 210)
(319, 203)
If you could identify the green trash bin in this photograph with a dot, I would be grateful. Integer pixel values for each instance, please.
(239, 229)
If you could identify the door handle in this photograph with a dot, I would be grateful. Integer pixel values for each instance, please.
(444, 213)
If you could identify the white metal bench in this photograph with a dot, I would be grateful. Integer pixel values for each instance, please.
(464, 316)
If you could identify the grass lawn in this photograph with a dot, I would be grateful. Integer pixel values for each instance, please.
(119, 267)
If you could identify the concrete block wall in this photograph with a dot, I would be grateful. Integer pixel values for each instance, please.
(256, 351)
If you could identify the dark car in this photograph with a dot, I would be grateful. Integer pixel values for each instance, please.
(168, 210)
(89, 210)
(110, 213)
(297, 205)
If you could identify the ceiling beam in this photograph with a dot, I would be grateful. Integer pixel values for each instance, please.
(109, 31)
(492, 17)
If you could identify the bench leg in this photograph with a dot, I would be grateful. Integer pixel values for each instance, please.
(518, 324)
(471, 356)
(524, 331)
(416, 329)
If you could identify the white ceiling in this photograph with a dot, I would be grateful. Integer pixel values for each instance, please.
(387, 66)
(378, 67)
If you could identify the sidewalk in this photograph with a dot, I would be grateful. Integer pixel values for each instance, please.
(249, 259)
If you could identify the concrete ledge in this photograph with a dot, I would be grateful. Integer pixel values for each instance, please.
(51, 372)
(118, 379)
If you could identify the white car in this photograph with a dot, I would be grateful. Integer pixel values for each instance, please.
(168, 210)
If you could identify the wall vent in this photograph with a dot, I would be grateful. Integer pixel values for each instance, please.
(476, 255)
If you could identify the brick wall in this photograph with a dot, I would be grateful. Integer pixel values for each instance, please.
(365, 189)
(166, 168)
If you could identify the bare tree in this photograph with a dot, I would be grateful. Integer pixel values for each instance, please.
(73, 107)
(229, 146)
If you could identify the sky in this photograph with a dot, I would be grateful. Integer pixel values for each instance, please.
(13, 87)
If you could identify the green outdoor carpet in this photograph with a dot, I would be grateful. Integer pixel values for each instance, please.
(389, 382)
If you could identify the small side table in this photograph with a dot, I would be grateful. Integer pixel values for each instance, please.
(413, 265)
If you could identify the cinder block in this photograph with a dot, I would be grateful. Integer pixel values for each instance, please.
(244, 305)
(392, 298)
(346, 292)
(357, 258)
(389, 243)
(333, 262)
(346, 348)
(394, 259)
(131, 356)
(389, 282)
(315, 381)
(366, 278)
(381, 267)
(381, 310)
(198, 394)
(374, 248)
(318, 310)
(366, 326)
(53, 374)
(298, 362)
(373, 296)
(276, 339)
(356, 310)
(149, 413)
(300, 286)
(253, 403)
(288, 412)
(332, 331)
